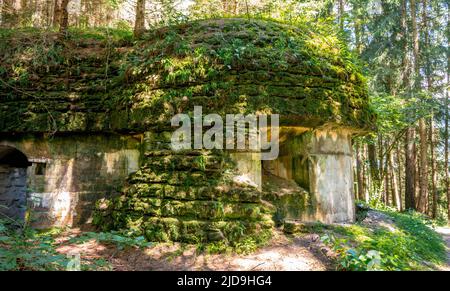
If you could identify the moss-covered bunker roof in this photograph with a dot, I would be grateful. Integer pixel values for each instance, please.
(91, 83)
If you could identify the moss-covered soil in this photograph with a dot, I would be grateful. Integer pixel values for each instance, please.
(102, 81)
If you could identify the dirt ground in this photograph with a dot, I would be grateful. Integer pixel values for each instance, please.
(299, 253)
(302, 252)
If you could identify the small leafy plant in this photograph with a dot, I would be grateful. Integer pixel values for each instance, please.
(26, 250)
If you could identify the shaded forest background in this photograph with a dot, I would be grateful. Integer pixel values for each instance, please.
(403, 48)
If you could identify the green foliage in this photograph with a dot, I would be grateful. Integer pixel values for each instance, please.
(412, 245)
(241, 245)
(32, 250)
(291, 11)
(27, 250)
(122, 33)
(247, 245)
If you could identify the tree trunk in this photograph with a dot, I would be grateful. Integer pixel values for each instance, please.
(386, 177)
(432, 140)
(410, 158)
(359, 173)
(410, 169)
(47, 11)
(433, 168)
(447, 120)
(26, 12)
(139, 24)
(396, 198)
(410, 132)
(64, 21)
(404, 38)
(341, 8)
(423, 173)
(357, 20)
(374, 172)
(446, 152)
(57, 13)
(366, 176)
(8, 14)
(399, 174)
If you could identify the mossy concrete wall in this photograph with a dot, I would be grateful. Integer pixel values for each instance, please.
(188, 195)
(69, 173)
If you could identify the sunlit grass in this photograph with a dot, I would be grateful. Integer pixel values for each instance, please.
(411, 245)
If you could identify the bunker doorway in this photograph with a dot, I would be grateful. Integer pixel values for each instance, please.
(286, 181)
(13, 183)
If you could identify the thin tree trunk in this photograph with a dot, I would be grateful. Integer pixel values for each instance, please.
(446, 162)
(367, 185)
(341, 8)
(64, 22)
(48, 13)
(410, 132)
(25, 12)
(57, 13)
(433, 168)
(359, 173)
(446, 146)
(399, 171)
(432, 138)
(374, 172)
(447, 120)
(423, 173)
(8, 14)
(404, 38)
(417, 184)
(357, 17)
(386, 177)
(410, 169)
(396, 198)
(410, 158)
(139, 24)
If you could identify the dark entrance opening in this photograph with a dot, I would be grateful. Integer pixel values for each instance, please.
(13, 183)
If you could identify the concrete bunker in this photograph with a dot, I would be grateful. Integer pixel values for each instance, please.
(65, 174)
(110, 141)
(13, 183)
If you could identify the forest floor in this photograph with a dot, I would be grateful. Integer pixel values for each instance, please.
(379, 240)
(299, 252)
(445, 232)
(296, 253)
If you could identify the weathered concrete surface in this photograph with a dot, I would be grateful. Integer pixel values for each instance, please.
(319, 161)
(69, 173)
(13, 186)
(248, 166)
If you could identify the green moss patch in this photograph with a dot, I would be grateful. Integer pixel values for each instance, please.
(100, 80)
